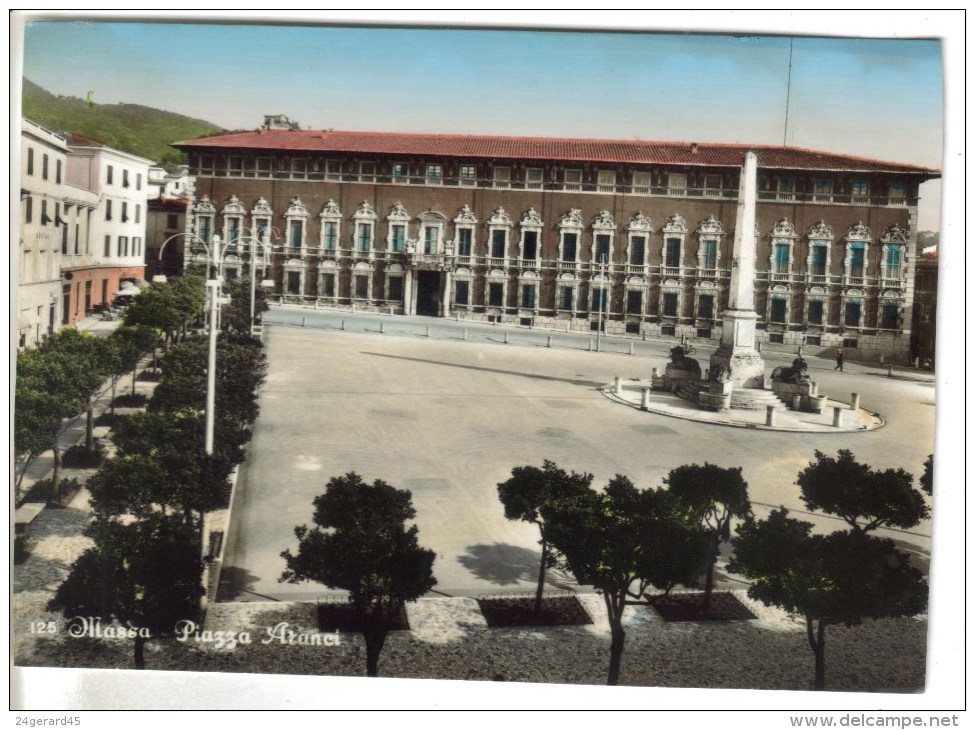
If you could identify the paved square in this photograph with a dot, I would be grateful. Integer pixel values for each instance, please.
(448, 419)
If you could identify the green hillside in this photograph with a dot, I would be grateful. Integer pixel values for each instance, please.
(139, 130)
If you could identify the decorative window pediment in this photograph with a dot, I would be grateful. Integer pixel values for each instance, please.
(604, 221)
(820, 231)
(331, 211)
(261, 208)
(783, 229)
(466, 215)
(398, 213)
(203, 206)
(639, 223)
(571, 219)
(499, 217)
(858, 232)
(531, 218)
(710, 226)
(365, 212)
(233, 206)
(894, 234)
(296, 209)
(675, 224)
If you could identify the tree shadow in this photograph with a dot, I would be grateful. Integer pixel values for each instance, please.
(234, 583)
(506, 565)
(534, 376)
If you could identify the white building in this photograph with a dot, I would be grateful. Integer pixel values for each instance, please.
(42, 182)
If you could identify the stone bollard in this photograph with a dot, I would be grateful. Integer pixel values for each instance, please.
(890, 370)
(645, 404)
(855, 405)
(618, 385)
(303, 320)
(837, 416)
(769, 415)
(549, 342)
(568, 326)
(465, 333)
(428, 330)
(758, 346)
(796, 402)
(590, 345)
(631, 347)
(506, 338)
(644, 335)
(343, 325)
(656, 372)
(381, 327)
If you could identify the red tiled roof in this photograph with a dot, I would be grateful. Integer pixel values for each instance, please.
(546, 148)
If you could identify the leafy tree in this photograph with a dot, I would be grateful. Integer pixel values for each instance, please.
(55, 381)
(179, 475)
(713, 496)
(926, 480)
(622, 541)
(168, 307)
(145, 575)
(121, 352)
(857, 493)
(236, 317)
(528, 489)
(841, 578)
(362, 545)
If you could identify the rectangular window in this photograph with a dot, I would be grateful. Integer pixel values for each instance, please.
(777, 311)
(818, 260)
(365, 236)
(599, 300)
(331, 235)
(57, 171)
(823, 186)
(602, 248)
(670, 304)
(852, 318)
(44, 160)
(125, 178)
(328, 285)
(367, 171)
(641, 182)
(233, 231)
(64, 240)
(531, 245)
(294, 282)
(296, 234)
(672, 253)
(634, 301)
(137, 246)
(44, 219)
(434, 174)
(108, 246)
(677, 183)
(333, 169)
(138, 181)
(29, 210)
(573, 179)
(569, 241)
(705, 306)
(528, 295)
(861, 187)
(712, 182)
(781, 258)
(889, 316)
(205, 224)
(462, 292)
(400, 172)
(108, 209)
(786, 185)
(395, 289)
(815, 311)
(430, 239)
(125, 211)
(607, 181)
(502, 177)
(857, 261)
(299, 166)
(464, 238)
(893, 262)
(109, 175)
(468, 173)
(138, 213)
(362, 287)
(172, 221)
(264, 166)
(709, 254)
(534, 178)
(565, 297)
(498, 240)
(77, 238)
(30, 160)
(897, 189)
(122, 246)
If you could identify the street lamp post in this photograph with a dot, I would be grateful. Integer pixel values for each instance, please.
(602, 299)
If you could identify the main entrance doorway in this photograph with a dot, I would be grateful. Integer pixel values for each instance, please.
(428, 293)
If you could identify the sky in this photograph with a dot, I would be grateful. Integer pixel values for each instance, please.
(880, 97)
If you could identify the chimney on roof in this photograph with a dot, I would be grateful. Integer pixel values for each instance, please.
(693, 148)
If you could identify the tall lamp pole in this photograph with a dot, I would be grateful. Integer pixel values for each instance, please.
(213, 289)
(602, 299)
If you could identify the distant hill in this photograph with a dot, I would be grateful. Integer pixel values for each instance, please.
(139, 130)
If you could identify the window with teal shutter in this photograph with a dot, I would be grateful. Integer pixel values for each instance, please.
(818, 263)
(464, 242)
(709, 254)
(856, 259)
(893, 261)
(781, 258)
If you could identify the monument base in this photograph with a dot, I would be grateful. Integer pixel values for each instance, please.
(745, 369)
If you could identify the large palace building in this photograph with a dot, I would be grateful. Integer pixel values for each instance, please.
(564, 233)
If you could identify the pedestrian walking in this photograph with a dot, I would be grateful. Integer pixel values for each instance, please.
(839, 362)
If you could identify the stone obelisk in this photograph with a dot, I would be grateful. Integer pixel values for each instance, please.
(737, 349)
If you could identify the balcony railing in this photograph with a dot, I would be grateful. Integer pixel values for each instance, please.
(670, 271)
